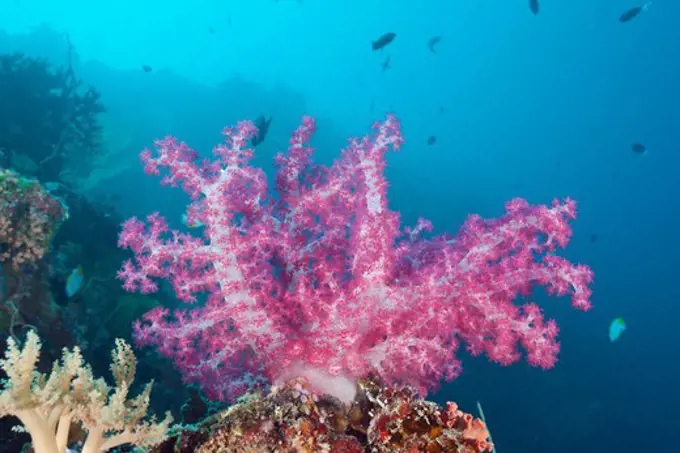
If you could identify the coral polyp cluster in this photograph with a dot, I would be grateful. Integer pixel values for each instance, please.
(29, 217)
(292, 419)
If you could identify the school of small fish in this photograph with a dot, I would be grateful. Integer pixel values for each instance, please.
(618, 325)
(387, 38)
(616, 329)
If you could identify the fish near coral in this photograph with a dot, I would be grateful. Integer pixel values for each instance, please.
(638, 148)
(616, 329)
(262, 126)
(534, 7)
(386, 64)
(384, 40)
(74, 282)
(432, 43)
(634, 12)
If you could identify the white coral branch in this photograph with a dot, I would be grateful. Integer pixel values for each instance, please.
(46, 405)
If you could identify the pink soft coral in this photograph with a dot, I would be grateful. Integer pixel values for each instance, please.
(322, 277)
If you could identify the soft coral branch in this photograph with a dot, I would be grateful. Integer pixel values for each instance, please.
(46, 405)
(321, 277)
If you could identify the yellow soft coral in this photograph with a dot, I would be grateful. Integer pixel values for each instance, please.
(48, 404)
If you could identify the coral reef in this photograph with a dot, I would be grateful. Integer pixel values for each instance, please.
(293, 419)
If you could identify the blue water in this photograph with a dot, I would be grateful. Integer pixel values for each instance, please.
(534, 106)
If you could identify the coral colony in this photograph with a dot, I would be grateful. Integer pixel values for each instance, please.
(320, 282)
(29, 216)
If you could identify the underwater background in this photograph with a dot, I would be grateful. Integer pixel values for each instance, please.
(519, 105)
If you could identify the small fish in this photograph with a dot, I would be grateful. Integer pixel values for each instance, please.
(594, 238)
(634, 12)
(211, 30)
(262, 126)
(74, 282)
(386, 64)
(432, 42)
(534, 6)
(195, 210)
(383, 40)
(431, 140)
(147, 68)
(638, 148)
(191, 224)
(616, 329)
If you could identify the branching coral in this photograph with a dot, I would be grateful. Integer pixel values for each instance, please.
(48, 404)
(322, 279)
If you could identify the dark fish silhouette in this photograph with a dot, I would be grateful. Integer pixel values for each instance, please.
(638, 148)
(262, 126)
(534, 6)
(383, 40)
(433, 42)
(386, 64)
(431, 140)
(147, 68)
(633, 12)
